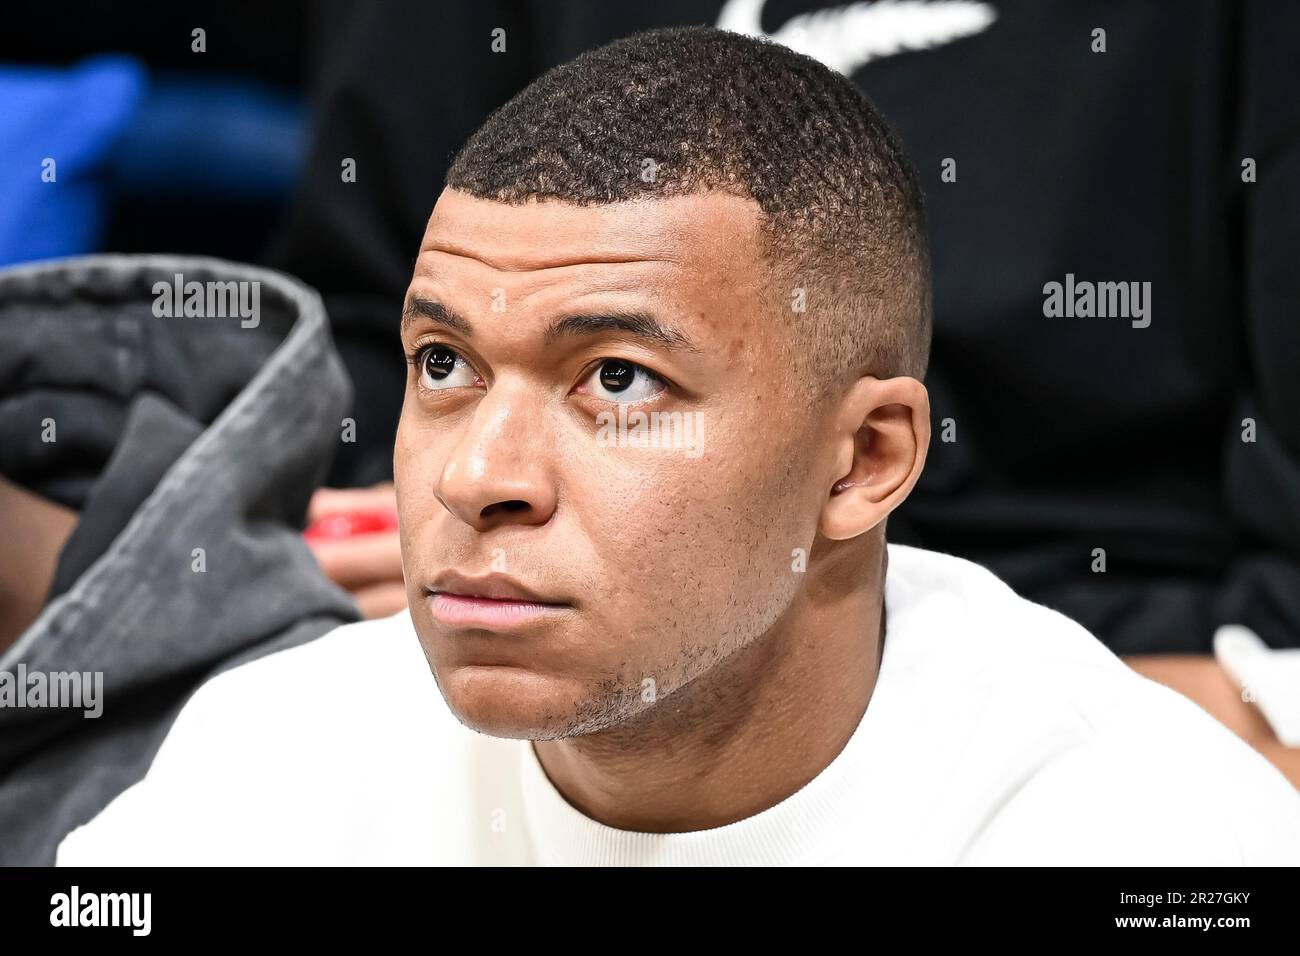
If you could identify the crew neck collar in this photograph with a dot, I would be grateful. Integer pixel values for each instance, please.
(804, 828)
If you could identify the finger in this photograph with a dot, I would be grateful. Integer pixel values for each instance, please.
(342, 500)
(362, 560)
(381, 600)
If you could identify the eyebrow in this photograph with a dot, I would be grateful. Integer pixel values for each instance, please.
(419, 308)
(641, 325)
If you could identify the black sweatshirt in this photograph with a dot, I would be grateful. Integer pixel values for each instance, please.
(1078, 439)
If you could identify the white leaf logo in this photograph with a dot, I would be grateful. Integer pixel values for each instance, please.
(849, 37)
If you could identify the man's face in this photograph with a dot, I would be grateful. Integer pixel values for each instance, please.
(659, 551)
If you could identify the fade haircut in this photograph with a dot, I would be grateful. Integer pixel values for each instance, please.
(843, 215)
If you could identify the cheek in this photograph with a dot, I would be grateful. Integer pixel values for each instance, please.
(416, 465)
(404, 448)
(692, 551)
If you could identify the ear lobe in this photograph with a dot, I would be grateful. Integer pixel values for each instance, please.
(885, 436)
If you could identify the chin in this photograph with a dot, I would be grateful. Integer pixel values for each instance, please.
(514, 702)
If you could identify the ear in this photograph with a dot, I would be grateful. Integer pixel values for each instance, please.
(882, 433)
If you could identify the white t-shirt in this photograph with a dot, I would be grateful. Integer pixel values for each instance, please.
(999, 732)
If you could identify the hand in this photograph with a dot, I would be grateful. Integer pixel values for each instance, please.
(353, 533)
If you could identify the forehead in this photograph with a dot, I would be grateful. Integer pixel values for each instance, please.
(707, 235)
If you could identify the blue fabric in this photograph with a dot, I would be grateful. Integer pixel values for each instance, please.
(73, 116)
(208, 137)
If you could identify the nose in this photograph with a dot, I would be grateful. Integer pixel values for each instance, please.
(498, 474)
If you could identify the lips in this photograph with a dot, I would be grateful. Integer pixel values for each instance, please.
(492, 602)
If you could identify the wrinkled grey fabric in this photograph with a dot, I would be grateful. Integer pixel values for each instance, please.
(172, 434)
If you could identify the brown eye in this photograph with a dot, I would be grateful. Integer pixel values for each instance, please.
(441, 367)
(617, 375)
(439, 362)
(624, 382)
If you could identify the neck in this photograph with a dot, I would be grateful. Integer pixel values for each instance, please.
(753, 730)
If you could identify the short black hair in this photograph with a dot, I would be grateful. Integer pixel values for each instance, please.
(706, 109)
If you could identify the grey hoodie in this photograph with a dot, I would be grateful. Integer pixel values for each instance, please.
(189, 445)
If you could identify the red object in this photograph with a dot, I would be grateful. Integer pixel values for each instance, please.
(350, 524)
